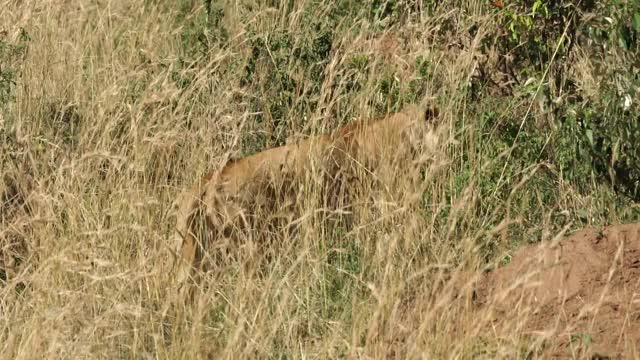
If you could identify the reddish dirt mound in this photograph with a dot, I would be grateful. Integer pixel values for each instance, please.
(578, 296)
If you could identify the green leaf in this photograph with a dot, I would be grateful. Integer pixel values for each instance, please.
(636, 21)
(589, 133)
(536, 6)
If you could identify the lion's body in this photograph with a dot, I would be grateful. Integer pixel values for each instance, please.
(227, 197)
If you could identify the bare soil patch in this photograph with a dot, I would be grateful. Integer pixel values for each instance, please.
(579, 296)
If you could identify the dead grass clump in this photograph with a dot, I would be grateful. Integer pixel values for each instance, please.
(113, 108)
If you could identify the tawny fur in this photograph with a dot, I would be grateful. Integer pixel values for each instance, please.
(225, 196)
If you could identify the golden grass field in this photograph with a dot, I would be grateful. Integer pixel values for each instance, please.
(117, 106)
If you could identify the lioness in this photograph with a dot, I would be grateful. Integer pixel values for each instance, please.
(226, 198)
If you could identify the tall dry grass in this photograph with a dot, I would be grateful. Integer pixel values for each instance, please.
(109, 124)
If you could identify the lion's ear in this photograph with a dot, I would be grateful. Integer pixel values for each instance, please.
(431, 113)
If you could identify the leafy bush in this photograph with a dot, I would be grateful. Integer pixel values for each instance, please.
(589, 134)
(10, 57)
